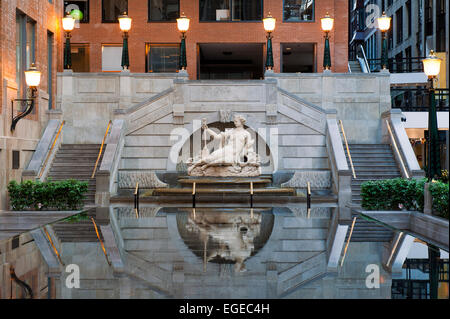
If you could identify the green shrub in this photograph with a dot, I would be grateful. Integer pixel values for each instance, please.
(439, 192)
(398, 193)
(37, 195)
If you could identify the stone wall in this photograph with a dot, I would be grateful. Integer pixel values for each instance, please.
(47, 17)
(359, 99)
(29, 267)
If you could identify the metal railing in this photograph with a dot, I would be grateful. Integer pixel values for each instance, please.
(395, 65)
(101, 149)
(348, 149)
(418, 99)
(394, 145)
(361, 56)
(51, 149)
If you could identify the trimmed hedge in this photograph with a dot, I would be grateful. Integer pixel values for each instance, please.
(57, 195)
(398, 193)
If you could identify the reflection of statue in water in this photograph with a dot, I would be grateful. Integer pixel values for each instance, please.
(235, 157)
(229, 237)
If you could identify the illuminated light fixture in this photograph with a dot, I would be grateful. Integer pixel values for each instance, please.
(183, 27)
(327, 25)
(183, 23)
(384, 23)
(269, 27)
(32, 79)
(125, 26)
(125, 22)
(432, 67)
(68, 23)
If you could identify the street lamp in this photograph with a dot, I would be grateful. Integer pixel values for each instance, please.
(125, 26)
(432, 67)
(384, 23)
(327, 25)
(32, 78)
(183, 26)
(68, 23)
(269, 27)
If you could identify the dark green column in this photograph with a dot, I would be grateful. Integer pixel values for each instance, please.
(433, 258)
(434, 162)
(183, 60)
(384, 55)
(326, 53)
(125, 57)
(269, 56)
(67, 54)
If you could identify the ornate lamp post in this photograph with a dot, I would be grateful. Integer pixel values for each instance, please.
(327, 25)
(183, 26)
(384, 23)
(432, 66)
(269, 27)
(33, 79)
(125, 26)
(68, 23)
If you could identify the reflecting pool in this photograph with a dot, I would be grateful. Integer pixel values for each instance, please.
(168, 252)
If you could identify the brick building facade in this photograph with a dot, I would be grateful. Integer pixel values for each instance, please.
(212, 37)
(30, 32)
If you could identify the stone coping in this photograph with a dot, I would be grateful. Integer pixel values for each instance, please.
(429, 228)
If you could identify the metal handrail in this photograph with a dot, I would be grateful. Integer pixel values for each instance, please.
(51, 149)
(348, 149)
(366, 64)
(101, 149)
(100, 240)
(348, 240)
(394, 144)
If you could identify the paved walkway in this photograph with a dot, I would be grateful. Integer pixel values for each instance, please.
(13, 223)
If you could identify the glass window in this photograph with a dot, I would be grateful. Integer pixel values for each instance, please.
(112, 9)
(79, 9)
(298, 10)
(80, 57)
(162, 57)
(230, 10)
(111, 58)
(163, 10)
(50, 41)
(25, 49)
(399, 26)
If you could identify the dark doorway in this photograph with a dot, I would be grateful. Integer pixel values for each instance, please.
(230, 61)
(298, 57)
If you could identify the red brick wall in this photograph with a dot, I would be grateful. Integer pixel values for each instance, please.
(96, 33)
(48, 18)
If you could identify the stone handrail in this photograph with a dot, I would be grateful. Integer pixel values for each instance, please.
(37, 162)
(107, 173)
(340, 172)
(400, 140)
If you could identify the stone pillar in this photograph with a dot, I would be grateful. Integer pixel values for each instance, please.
(125, 89)
(427, 200)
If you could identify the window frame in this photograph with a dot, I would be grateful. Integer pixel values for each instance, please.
(118, 45)
(231, 21)
(160, 21)
(313, 20)
(88, 47)
(22, 62)
(87, 11)
(103, 13)
(148, 46)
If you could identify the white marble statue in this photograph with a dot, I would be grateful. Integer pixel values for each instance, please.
(235, 156)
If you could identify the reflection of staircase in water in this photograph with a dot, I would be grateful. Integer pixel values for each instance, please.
(295, 251)
(371, 162)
